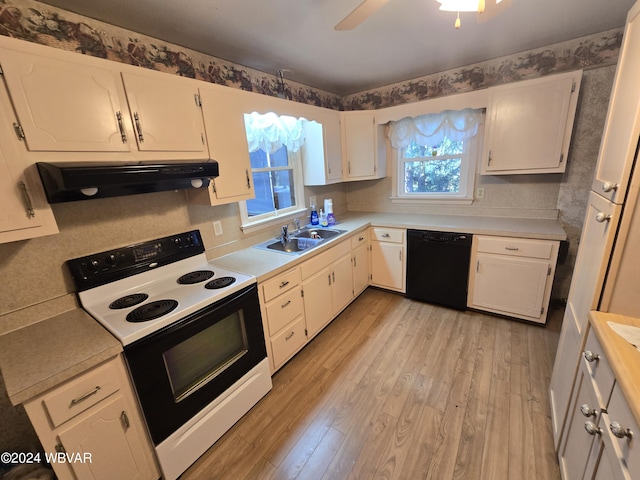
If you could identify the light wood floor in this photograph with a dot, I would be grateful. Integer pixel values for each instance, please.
(398, 389)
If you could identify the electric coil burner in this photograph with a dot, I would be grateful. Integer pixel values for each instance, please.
(192, 335)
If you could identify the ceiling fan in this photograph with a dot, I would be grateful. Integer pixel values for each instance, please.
(486, 9)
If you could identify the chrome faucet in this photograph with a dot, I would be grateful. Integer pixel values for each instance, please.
(284, 239)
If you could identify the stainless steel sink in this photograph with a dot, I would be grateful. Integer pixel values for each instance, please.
(300, 240)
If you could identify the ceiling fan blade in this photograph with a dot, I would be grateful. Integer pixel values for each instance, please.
(360, 14)
(493, 8)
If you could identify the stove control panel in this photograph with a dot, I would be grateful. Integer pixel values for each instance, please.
(105, 267)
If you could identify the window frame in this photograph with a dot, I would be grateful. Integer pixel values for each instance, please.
(249, 224)
(468, 172)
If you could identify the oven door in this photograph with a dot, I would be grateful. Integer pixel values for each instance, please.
(179, 370)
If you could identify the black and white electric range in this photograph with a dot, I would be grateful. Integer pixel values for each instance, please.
(192, 336)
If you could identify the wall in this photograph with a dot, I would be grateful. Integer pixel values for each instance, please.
(32, 272)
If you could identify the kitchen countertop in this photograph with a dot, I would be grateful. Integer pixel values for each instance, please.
(264, 264)
(623, 357)
(40, 356)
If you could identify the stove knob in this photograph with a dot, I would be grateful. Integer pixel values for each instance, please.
(111, 260)
(93, 265)
(177, 241)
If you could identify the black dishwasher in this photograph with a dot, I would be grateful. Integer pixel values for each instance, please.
(438, 267)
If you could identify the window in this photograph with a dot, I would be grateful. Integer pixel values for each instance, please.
(436, 156)
(274, 150)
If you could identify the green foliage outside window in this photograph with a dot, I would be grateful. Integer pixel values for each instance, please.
(433, 169)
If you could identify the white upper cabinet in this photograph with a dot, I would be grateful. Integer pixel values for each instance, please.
(360, 147)
(65, 106)
(166, 114)
(322, 150)
(622, 126)
(223, 110)
(529, 125)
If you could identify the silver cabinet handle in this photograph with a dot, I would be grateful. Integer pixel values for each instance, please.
(285, 304)
(589, 356)
(333, 276)
(608, 186)
(123, 134)
(587, 411)
(511, 249)
(76, 401)
(288, 337)
(125, 420)
(329, 278)
(248, 181)
(386, 235)
(602, 217)
(592, 429)
(360, 239)
(283, 284)
(136, 117)
(355, 262)
(489, 159)
(27, 200)
(619, 431)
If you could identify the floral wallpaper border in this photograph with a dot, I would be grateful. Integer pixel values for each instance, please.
(39, 23)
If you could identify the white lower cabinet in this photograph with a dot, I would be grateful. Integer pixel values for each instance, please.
(360, 259)
(327, 285)
(599, 439)
(93, 424)
(388, 262)
(512, 276)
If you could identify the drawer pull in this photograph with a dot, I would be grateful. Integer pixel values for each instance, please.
(360, 239)
(588, 412)
(284, 284)
(591, 357)
(288, 337)
(591, 428)
(386, 235)
(511, 249)
(76, 401)
(602, 217)
(608, 186)
(619, 431)
(285, 304)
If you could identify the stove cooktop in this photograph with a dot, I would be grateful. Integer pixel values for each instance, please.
(134, 291)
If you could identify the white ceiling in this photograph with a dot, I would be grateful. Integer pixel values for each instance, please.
(405, 39)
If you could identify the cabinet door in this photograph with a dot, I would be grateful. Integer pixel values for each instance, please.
(577, 441)
(65, 106)
(318, 308)
(226, 135)
(341, 284)
(511, 285)
(622, 126)
(114, 443)
(359, 144)
(332, 145)
(387, 265)
(360, 268)
(166, 114)
(527, 124)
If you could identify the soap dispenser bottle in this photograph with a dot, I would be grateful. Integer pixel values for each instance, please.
(323, 219)
(315, 220)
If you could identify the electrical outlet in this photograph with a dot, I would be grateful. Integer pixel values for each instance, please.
(479, 192)
(217, 227)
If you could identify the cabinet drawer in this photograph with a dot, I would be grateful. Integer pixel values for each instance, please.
(280, 284)
(597, 367)
(78, 394)
(393, 235)
(519, 247)
(283, 310)
(359, 239)
(288, 342)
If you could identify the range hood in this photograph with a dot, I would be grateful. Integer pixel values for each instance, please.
(68, 182)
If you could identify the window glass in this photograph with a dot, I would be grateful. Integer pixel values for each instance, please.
(434, 169)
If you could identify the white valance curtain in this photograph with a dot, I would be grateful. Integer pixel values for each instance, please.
(430, 130)
(269, 132)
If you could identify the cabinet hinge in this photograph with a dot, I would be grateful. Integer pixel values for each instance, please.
(198, 100)
(302, 293)
(19, 131)
(1, 71)
(573, 87)
(59, 447)
(561, 157)
(202, 137)
(549, 270)
(541, 310)
(213, 186)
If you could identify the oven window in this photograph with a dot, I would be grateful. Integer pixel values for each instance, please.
(196, 361)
